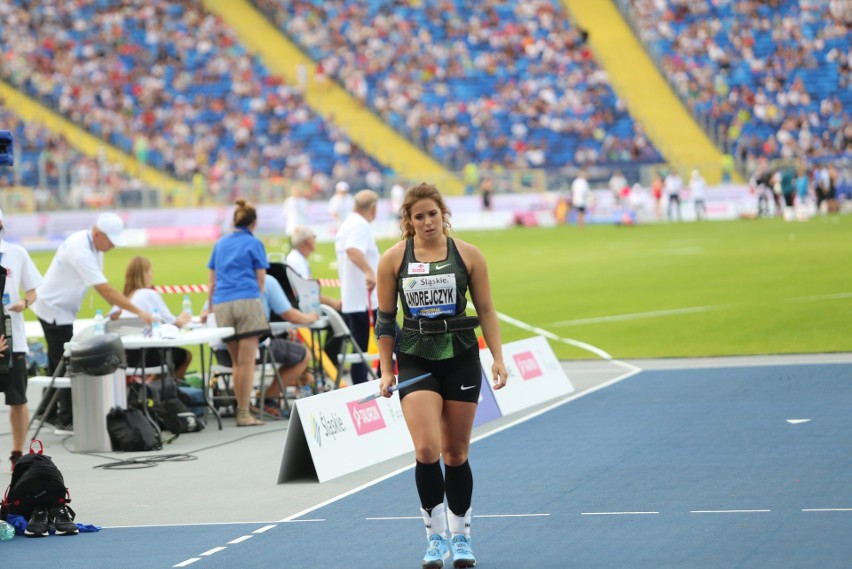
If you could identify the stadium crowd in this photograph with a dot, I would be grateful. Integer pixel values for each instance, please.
(59, 174)
(775, 77)
(508, 83)
(171, 84)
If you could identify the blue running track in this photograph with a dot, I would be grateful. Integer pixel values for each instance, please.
(677, 468)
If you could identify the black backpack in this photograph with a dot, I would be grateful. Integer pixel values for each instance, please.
(36, 483)
(130, 431)
(165, 406)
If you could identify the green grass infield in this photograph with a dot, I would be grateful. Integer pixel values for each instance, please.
(664, 290)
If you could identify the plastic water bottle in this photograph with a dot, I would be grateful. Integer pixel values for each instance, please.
(7, 531)
(156, 329)
(187, 305)
(99, 322)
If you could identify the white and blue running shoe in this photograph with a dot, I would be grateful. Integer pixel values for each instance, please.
(437, 551)
(462, 552)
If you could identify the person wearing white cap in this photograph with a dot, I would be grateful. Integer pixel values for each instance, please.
(340, 205)
(21, 274)
(76, 266)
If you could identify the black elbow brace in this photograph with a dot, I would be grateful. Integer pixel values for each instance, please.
(385, 324)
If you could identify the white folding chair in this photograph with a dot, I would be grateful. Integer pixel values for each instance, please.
(341, 332)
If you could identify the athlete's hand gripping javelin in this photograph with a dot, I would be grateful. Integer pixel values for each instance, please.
(386, 388)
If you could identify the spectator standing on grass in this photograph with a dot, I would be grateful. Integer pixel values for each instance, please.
(697, 186)
(357, 261)
(657, 194)
(76, 266)
(580, 197)
(238, 266)
(397, 195)
(486, 188)
(617, 184)
(673, 186)
(785, 184)
(295, 209)
(340, 205)
(802, 188)
(21, 274)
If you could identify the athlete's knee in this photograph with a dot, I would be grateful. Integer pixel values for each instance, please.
(427, 455)
(455, 457)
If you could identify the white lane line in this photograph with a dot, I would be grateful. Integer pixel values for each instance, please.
(512, 516)
(639, 315)
(617, 513)
(189, 561)
(530, 328)
(263, 529)
(836, 296)
(212, 551)
(406, 518)
(727, 511)
(827, 509)
(240, 539)
(188, 525)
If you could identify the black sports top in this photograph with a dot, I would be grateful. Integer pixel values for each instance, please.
(434, 290)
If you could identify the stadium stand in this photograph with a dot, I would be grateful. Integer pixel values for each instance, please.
(768, 79)
(170, 84)
(507, 83)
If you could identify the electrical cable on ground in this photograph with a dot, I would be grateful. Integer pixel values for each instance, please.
(151, 461)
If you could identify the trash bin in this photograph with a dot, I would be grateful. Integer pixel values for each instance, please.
(96, 368)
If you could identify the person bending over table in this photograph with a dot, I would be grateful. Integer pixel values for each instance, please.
(76, 266)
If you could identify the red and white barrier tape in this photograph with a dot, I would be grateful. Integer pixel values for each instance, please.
(180, 289)
(186, 289)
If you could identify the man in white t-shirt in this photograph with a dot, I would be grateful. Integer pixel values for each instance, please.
(340, 205)
(357, 261)
(76, 266)
(580, 197)
(21, 275)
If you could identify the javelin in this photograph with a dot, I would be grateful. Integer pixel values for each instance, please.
(396, 387)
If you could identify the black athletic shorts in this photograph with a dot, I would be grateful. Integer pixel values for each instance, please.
(16, 390)
(456, 379)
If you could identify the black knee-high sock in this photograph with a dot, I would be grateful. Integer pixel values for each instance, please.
(430, 484)
(459, 483)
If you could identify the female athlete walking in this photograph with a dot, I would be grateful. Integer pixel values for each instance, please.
(431, 272)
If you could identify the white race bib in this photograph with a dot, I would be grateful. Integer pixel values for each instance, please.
(430, 296)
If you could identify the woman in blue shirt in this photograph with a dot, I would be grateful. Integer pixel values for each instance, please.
(237, 272)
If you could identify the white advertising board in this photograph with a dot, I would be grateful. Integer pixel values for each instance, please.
(535, 375)
(330, 434)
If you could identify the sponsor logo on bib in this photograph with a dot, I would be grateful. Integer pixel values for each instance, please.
(418, 268)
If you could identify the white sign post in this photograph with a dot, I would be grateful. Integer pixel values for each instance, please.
(330, 434)
(535, 375)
